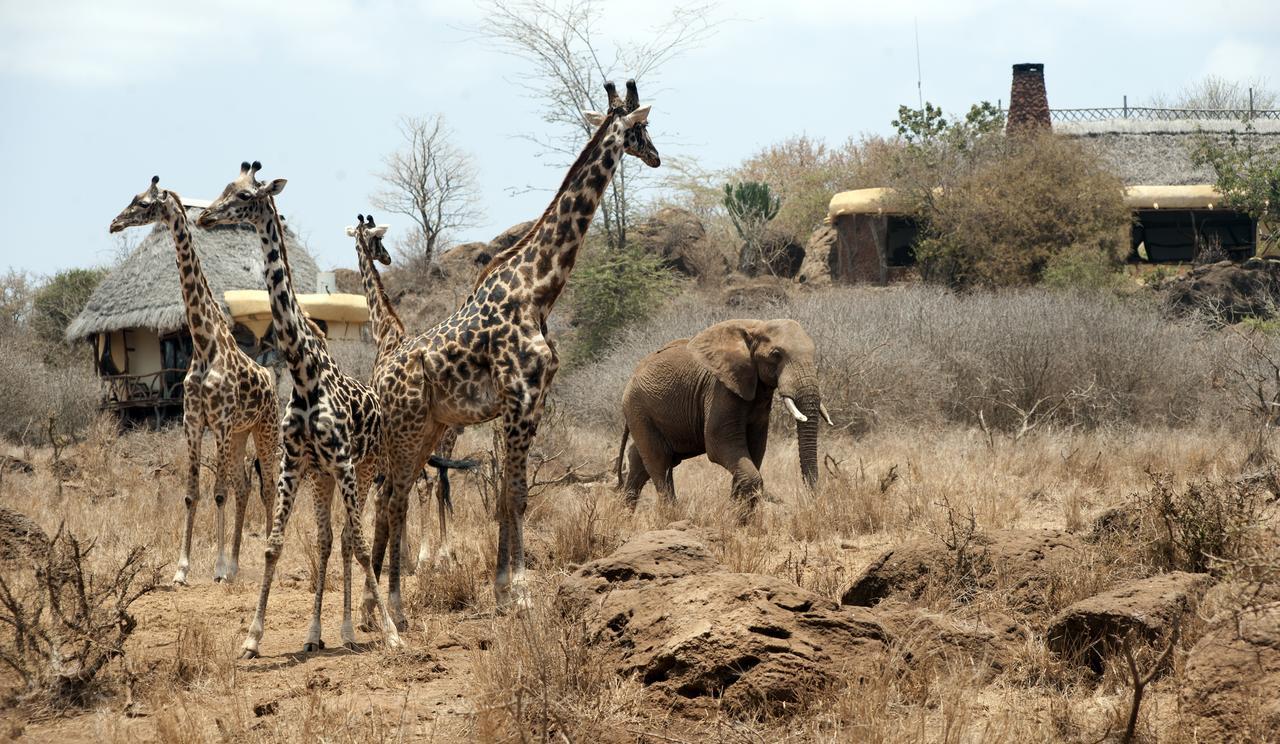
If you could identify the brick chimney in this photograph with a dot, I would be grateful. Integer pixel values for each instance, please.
(1028, 103)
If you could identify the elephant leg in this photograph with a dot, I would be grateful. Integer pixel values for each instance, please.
(747, 483)
(657, 458)
(637, 476)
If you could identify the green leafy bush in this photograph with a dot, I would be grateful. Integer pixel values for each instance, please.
(612, 290)
(1082, 269)
(60, 300)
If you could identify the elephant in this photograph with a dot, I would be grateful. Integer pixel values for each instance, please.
(712, 394)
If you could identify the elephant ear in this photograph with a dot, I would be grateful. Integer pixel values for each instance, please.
(725, 349)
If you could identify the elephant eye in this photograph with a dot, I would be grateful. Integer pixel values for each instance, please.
(775, 354)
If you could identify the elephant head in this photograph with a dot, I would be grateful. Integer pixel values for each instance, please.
(759, 357)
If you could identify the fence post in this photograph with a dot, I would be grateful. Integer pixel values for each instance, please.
(1251, 103)
(1126, 107)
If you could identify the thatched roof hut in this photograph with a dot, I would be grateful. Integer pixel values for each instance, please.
(1159, 152)
(144, 291)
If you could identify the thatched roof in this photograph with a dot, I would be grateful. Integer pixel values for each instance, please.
(1158, 152)
(144, 292)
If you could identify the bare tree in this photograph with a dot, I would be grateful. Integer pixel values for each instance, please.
(1214, 92)
(568, 63)
(430, 181)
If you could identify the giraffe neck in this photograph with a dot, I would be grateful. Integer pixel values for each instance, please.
(544, 258)
(205, 321)
(304, 354)
(388, 330)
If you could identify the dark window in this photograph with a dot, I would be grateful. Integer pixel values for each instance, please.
(900, 241)
(1179, 234)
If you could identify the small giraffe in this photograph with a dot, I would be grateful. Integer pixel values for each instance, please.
(333, 422)
(492, 358)
(388, 333)
(224, 391)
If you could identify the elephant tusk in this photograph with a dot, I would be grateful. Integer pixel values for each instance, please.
(822, 408)
(791, 406)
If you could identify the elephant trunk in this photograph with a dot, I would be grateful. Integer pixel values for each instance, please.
(800, 388)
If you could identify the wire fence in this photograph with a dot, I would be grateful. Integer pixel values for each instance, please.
(1147, 113)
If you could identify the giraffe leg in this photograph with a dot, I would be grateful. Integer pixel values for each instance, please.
(350, 488)
(220, 483)
(323, 499)
(364, 479)
(266, 446)
(293, 468)
(520, 422)
(239, 478)
(396, 513)
(368, 607)
(195, 435)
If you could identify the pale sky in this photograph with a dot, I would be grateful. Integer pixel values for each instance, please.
(99, 95)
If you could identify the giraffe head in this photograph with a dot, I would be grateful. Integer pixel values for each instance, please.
(150, 206)
(635, 121)
(244, 200)
(369, 239)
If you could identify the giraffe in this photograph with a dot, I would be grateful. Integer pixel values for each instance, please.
(388, 333)
(225, 391)
(333, 423)
(492, 358)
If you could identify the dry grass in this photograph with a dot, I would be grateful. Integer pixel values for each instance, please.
(927, 386)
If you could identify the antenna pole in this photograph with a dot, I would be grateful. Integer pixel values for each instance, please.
(919, 87)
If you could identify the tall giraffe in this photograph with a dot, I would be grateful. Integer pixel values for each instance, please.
(492, 358)
(333, 422)
(388, 333)
(224, 391)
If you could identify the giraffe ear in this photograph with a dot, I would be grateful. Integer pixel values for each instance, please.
(351, 231)
(274, 188)
(378, 231)
(594, 118)
(639, 116)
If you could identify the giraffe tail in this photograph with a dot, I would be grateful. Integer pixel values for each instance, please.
(622, 451)
(443, 465)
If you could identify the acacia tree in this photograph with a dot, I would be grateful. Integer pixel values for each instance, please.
(432, 182)
(567, 63)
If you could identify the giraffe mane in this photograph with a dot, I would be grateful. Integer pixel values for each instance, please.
(504, 255)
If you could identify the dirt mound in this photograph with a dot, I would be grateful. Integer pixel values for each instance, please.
(988, 644)
(674, 234)
(1020, 563)
(1091, 630)
(466, 259)
(1224, 673)
(1231, 291)
(819, 256)
(669, 613)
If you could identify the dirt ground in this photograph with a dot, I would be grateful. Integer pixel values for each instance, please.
(468, 675)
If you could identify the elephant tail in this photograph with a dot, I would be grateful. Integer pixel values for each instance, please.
(622, 451)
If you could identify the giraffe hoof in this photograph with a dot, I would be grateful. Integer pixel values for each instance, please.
(249, 653)
(311, 648)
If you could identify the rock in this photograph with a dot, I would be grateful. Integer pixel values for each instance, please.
(819, 256)
(782, 252)
(1231, 291)
(1115, 523)
(755, 294)
(465, 260)
(1021, 563)
(989, 645)
(1230, 680)
(1091, 630)
(668, 613)
(510, 236)
(674, 234)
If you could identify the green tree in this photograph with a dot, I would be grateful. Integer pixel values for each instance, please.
(1247, 172)
(612, 290)
(60, 300)
(751, 206)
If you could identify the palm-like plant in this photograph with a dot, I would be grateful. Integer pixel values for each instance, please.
(751, 206)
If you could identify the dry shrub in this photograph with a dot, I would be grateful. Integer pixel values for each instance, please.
(67, 620)
(923, 356)
(542, 677)
(1205, 524)
(35, 390)
(1027, 200)
(354, 358)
